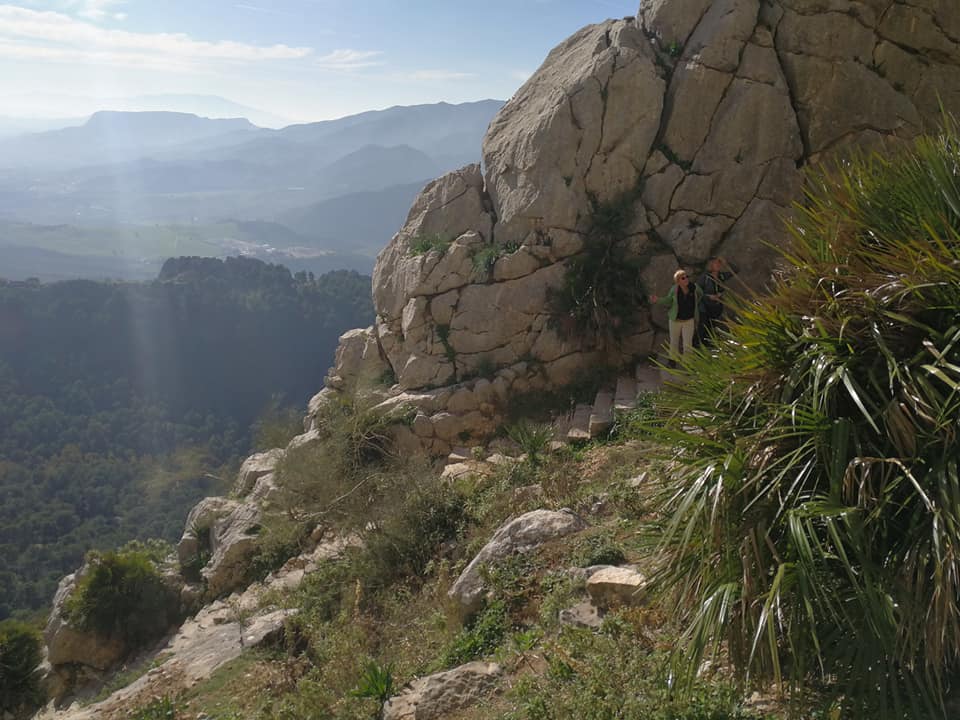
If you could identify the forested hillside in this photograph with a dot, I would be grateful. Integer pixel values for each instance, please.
(121, 403)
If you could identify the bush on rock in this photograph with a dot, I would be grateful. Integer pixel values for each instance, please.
(122, 595)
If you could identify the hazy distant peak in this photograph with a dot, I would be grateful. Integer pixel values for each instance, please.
(164, 119)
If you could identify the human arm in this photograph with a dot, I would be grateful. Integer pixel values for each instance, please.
(665, 300)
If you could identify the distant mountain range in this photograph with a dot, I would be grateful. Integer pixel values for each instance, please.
(337, 186)
(41, 111)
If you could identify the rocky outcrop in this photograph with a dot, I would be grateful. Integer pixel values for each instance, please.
(68, 644)
(255, 467)
(220, 534)
(698, 115)
(521, 535)
(436, 696)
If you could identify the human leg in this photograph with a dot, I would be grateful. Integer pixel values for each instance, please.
(674, 339)
(687, 328)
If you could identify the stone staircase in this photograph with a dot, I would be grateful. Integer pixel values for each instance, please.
(588, 421)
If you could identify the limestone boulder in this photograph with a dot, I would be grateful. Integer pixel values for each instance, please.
(198, 527)
(358, 362)
(68, 644)
(446, 209)
(437, 696)
(233, 544)
(578, 127)
(521, 535)
(616, 586)
(254, 468)
(700, 118)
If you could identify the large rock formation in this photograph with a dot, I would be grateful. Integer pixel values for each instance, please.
(701, 115)
(520, 535)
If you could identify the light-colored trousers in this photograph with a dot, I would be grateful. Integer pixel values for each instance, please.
(684, 328)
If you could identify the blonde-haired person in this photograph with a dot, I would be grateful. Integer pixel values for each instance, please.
(684, 301)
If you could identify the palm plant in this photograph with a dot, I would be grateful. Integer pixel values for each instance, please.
(812, 524)
(376, 682)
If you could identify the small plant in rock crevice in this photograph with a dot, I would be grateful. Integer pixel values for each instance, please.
(423, 244)
(443, 334)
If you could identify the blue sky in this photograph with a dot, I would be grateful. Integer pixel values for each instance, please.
(301, 59)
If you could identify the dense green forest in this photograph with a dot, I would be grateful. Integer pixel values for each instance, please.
(121, 404)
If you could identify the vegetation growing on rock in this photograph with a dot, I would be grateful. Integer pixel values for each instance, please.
(122, 594)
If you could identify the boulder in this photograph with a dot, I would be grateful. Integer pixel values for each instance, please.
(67, 644)
(614, 586)
(233, 542)
(521, 535)
(358, 361)
(577, 128)
(437, 696)
(198, 527)
(255, 467)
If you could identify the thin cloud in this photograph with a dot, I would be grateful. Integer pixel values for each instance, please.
(99, 9)
(345, 59)
(439, 75)
(521, 75)
(62, 34)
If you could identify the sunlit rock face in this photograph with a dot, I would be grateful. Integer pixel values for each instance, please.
(703, 114)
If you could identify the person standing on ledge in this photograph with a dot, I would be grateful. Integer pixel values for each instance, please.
(713, 285)
(684, 301)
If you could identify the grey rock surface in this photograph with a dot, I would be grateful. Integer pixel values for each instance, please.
(436, 696)
(521, 535)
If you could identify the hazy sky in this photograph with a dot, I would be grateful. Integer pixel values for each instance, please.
(301, 59)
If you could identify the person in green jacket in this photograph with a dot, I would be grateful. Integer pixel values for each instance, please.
(684, 301)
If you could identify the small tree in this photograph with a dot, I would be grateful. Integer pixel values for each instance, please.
(19, 657)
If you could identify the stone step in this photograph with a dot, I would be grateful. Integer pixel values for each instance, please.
(625, 398)
(649, 378)
(601, 418)
(580, 423)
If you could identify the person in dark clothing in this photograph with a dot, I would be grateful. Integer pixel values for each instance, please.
(713, 285)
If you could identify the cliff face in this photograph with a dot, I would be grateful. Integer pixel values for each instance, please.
(701, 116)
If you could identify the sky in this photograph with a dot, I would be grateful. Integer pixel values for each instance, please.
(302, 60)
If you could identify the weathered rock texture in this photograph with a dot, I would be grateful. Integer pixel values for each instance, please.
(69, 645)
(521, 535)
(436, 696)
(703, 113)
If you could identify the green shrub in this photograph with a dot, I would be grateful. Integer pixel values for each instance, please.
(602, 291)
(423, 244)
(480, 637)
(279, 540)
(376, 683)
(122, 595)
(418, 516)
(20, 654)
(814, 495)
(600, 550)
(534, 440)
